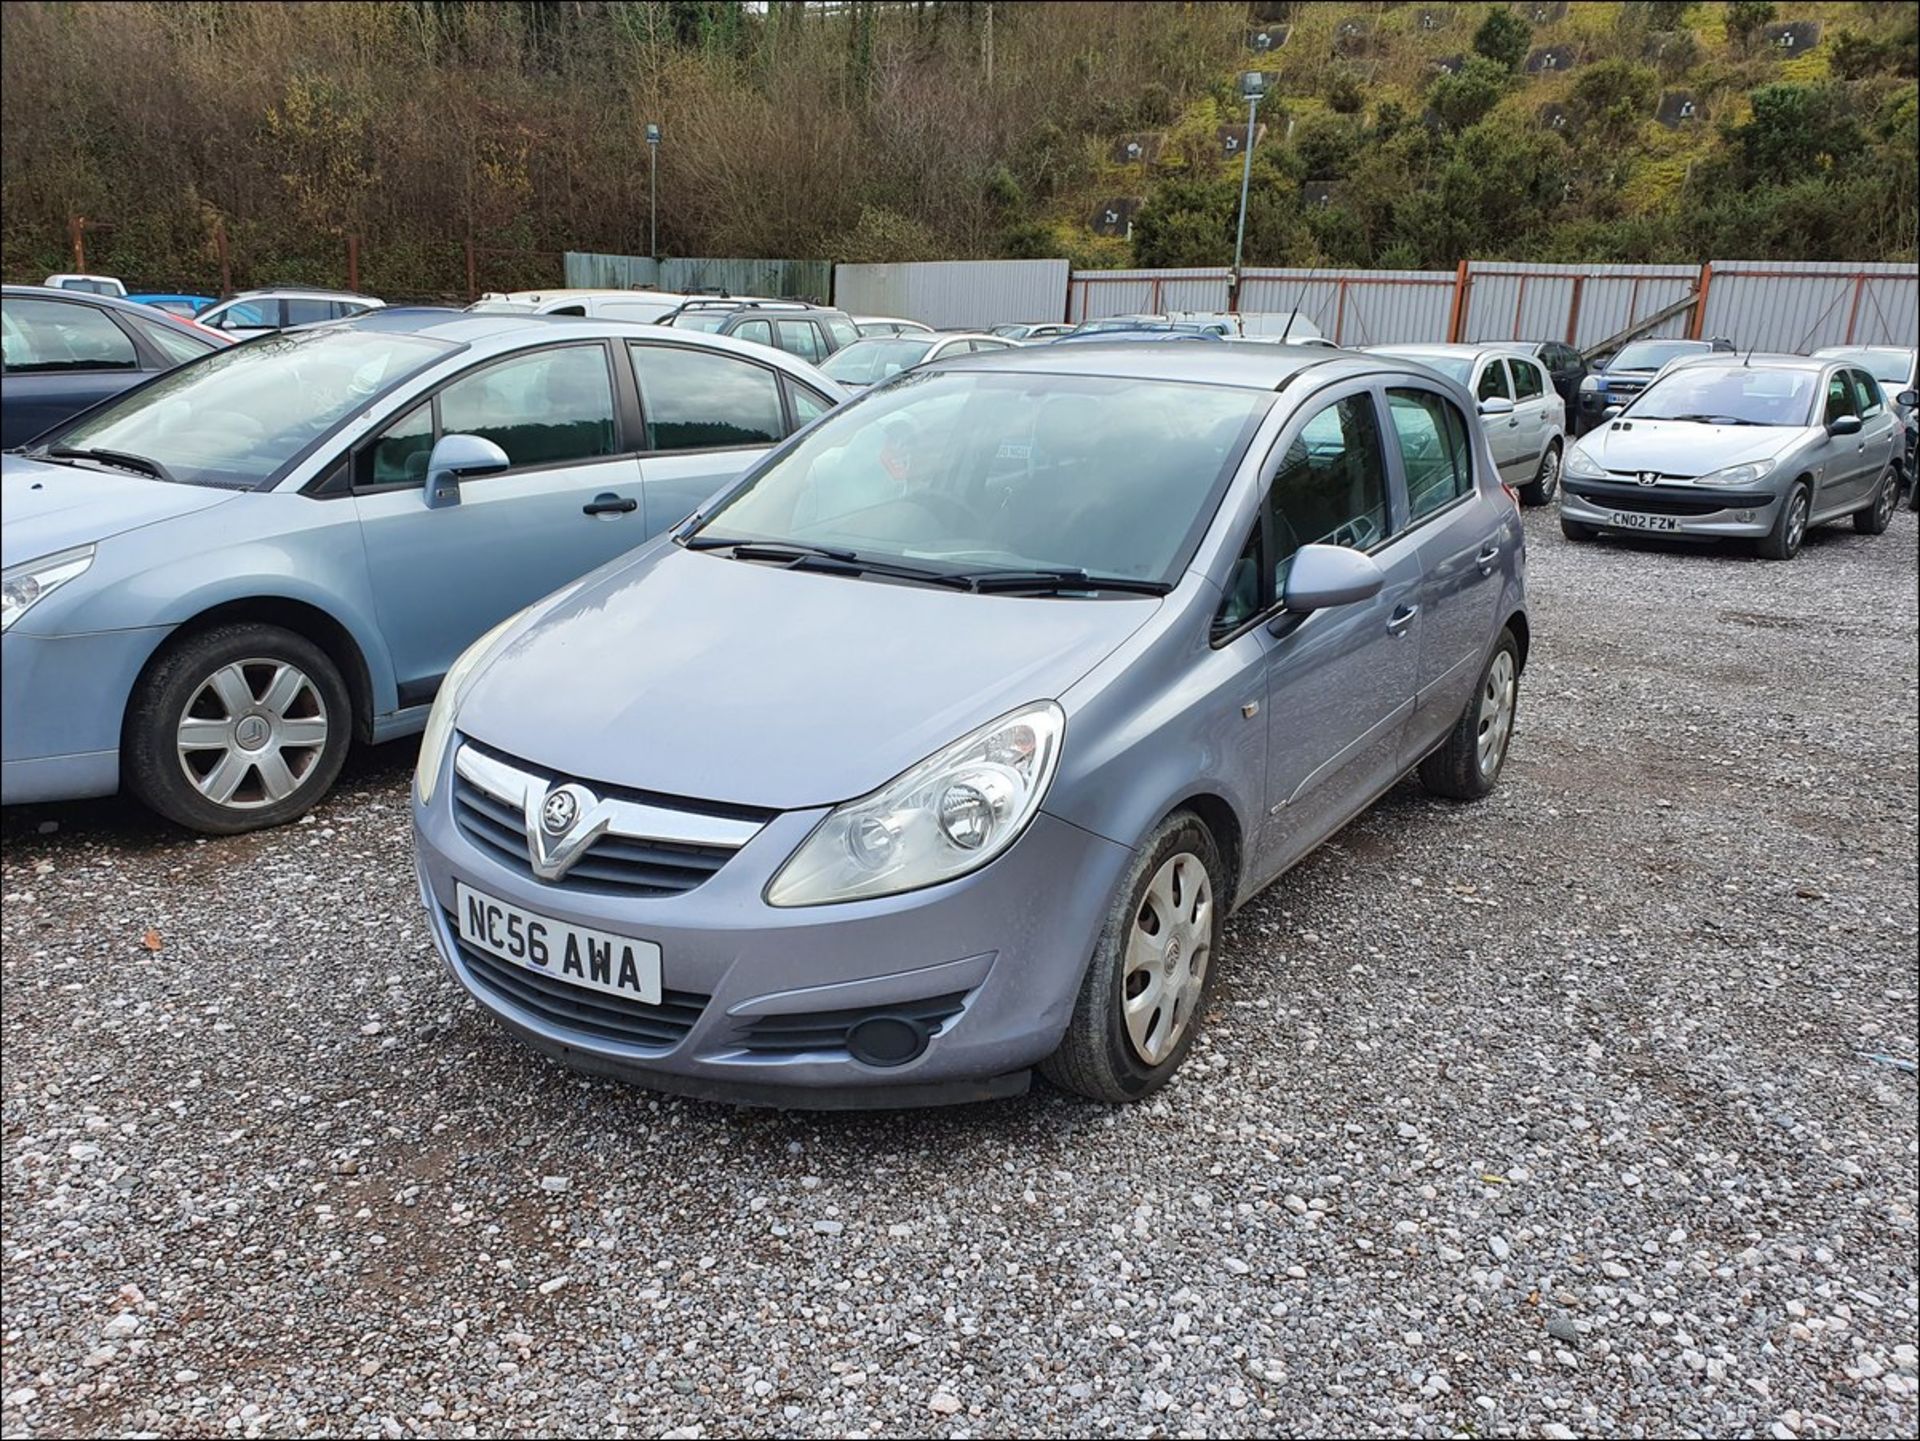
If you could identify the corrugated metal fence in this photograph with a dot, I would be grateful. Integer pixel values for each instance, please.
(1581, 305)
(954, 292)
(1096, 294)
(1800, 305)
(1357, 307)
(777, 279)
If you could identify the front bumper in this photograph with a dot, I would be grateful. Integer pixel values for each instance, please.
(997, 955)
(1679, 509)
(62, 700)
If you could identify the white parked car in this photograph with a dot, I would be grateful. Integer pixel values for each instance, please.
(641, 305)
(257, 312)
(92, 284)
(880, 357)
(1523, 415)
(883, 325)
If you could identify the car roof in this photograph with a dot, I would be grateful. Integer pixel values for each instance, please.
(105, 302)
(317, 292)
(1227, 362)
(473, 327)
(887, 320)
(1843, 350)
(1456, 349)
(1761, 360)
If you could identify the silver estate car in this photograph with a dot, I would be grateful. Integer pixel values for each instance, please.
(1524, 416)
(1760, 446)
(940, 746)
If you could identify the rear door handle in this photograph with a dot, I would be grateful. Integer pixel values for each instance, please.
(1486, 558)
(1402, 618)
(607, 503)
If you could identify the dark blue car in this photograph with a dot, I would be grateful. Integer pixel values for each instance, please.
(1629, 371)
(66, 350)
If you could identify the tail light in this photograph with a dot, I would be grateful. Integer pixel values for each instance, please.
(1512, 494)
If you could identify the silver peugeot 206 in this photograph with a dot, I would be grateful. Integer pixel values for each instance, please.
(1760, 447)
(940, 747)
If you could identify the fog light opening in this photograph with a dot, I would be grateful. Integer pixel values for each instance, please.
(886, 1041)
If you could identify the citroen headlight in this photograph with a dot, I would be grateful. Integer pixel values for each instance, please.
(433, 740)
(23, 585)
(1584, 466)
(1737, 474)
(948, 815)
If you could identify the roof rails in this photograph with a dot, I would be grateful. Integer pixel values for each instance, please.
(722, 303)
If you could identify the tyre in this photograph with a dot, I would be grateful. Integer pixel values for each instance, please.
(235, 728)
(1878, 514)
(1467, 764)
(1141, 999)
(1545, 484)
(1789, 527)
(1578, 531)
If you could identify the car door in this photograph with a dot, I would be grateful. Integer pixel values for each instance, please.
(60, 357)
(1340, 681)
(1463, 530)
(1535, 404)
(1504, 438)
(1839, 479)
(705, 418)
(1880, 429)
(568, 501)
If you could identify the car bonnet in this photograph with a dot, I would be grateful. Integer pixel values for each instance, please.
(48, 507)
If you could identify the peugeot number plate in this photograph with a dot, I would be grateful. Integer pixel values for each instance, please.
(1627, 520)
(597, 960)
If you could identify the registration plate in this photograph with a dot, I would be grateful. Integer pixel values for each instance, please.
(1627, 520)
(596, 960)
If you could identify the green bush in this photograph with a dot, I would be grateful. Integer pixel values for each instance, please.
(1468, 96)
(1503, 38)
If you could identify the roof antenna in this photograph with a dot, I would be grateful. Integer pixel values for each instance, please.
(1747, 364)
(1288, 329)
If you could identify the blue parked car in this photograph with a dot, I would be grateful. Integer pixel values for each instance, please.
(1627, 372)
(68, 349)
(183, 306)
(213, 584)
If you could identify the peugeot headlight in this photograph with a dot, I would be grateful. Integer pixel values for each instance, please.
(433, 740)
(1584, 466)
(1737, 474)
(31, 581)
(948, 815)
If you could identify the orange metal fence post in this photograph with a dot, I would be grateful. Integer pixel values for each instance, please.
(1457, 320)
(1699, 320)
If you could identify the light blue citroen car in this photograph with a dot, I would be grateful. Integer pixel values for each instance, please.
(940, 746)
(213, 582)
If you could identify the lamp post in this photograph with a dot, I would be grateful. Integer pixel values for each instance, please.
(653, 192)
(1253, 85)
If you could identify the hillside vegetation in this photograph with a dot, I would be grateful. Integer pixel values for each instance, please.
(931, 130)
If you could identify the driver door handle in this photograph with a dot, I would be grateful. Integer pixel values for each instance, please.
(1486, 558)
(607, 503)
(1402, 618)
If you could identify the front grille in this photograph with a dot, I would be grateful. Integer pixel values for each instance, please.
(489, 807)
(593, 1013)
(1652, 500)
(798, 1032)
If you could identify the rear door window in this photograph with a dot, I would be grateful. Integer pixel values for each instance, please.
(1434, 451)
(548, 408)
(1528, 382)
(249, 315)
(1866, 393)
(1493, 382)
(798, 337)
(700, 400)
(46, 337)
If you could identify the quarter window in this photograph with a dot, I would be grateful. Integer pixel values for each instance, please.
(546, 408)
(1527, 382)
(798, 337)
(1493, 383)
(248, 315)
(1331, 487)
(399, 456)
(842, 331)
(695, 400)
(170, 343)
(46, 337)
(1434, 451)
(807, 407)
(757, 331)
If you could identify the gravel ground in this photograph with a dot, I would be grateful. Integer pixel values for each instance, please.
(1545, 1117)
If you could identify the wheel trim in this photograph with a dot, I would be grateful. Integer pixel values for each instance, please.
(1549, 474)
(1496, 712)
(1883, 499)
(251, 733)
(1169, 944)
(1797, 520)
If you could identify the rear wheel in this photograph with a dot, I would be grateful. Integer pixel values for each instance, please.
(1878, 514)
(1140, 1000)
(1546, 480)
(1468, 763)
(1576, 530)
(236, 728)
(1789, 527)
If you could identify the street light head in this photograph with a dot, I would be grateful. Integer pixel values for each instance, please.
(653, 135)
(1253, 85)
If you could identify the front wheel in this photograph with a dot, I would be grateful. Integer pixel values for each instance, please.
(1546, 480)
(1468, 763)
(1789, 527)
(1140, 1000)
(1878, 515)
(236, 728)
(1576, 530)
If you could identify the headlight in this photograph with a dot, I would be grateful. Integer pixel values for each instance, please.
(1579, 463)
(32, 580)
(1589, 382)
(950, 814)
(1737, 474)
(433, 740)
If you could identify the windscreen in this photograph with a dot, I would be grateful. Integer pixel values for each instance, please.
(1651, 354)
(867, 362)
(1729, 395)
(969, 469)
(238, 416)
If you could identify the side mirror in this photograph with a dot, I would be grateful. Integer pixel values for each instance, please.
(1908, 398)
(1323, 576)
(457, 455)
(1844, 425)
(1496, 405)
(1611, 411)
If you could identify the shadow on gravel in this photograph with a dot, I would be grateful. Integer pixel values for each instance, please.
(1838, 535)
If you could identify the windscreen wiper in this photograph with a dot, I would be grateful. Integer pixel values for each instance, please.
(1706, 419)
(123, 459)
(1052, 579)
(796, 555)
(765, 549)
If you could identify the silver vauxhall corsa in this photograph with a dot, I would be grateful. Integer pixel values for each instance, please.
(940, 747)
(1720, 446)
